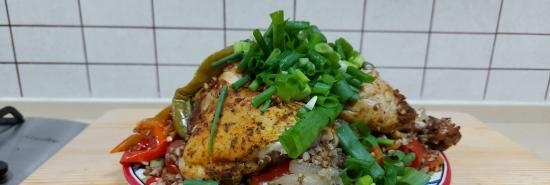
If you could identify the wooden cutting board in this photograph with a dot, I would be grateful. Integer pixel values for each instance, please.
(483, 156)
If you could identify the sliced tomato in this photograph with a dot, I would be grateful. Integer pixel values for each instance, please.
(272, 173)
(419, 151)
(149, 148)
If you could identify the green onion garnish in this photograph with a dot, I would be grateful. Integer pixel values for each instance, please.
(219, 107)
(260, 98)
(265, 105)
(278, 22)
(260, 40)
(351, 145)
(360, 74)
(385, 141)
(321, 88)
(239, 83)
(227, 59)
(199, 182)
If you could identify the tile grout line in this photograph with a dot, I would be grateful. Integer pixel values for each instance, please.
(196, 65)
(488, 77)
(294, 9)
(21, 94)
(547, 88)
(247, 29)
(84, 47)
(224, 24)
(427, 54)
(361, 39)
(155, 47)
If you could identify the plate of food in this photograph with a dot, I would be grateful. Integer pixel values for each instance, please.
(287, 106)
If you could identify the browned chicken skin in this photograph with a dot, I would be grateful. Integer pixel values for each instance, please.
(242, 132)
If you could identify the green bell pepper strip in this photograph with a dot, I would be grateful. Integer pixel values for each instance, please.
(181, 102)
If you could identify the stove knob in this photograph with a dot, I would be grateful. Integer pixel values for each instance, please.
(3, 171)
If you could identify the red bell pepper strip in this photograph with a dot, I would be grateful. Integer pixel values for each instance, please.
(152, 147)
(419, 151)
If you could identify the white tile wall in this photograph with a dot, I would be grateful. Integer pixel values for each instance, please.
(395, 49)
(466, 15)
(522, 51)
(454, 84)
(187, 46)
(253, 13)
(525, 16)
(408, 81)
(460, 50)
(189, 13)
(53, 80)
(117, 12)
(107, 45)
(46, 44)
(329, 16)
(147, 48)
(398, 15)
(123, 81)
(3, 15)
(520, 85)
(238, 35)
(6, 53)
(173, 77)
(10, 86)
(58, 12)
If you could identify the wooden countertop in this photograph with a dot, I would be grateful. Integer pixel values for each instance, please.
(483, 156)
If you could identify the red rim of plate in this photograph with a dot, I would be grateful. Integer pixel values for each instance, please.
(132, 178)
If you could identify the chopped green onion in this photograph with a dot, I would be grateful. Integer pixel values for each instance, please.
(385, 141)
(408, 158)
(260, 40)
(344, 48)
(288, 58)
(321, 88)
(273, 58)
(219, 107)
(345, 91)
(354, 82)
(370, 141)
(227, 59)
(412, 176)
(241, 46)
(278, 23)
(360, 74)
(345, 177)
(254, 85)
(365, 180)
(351, 145)
(199, 182)
(260, 98)
(299, 138)
(301, 76)
(243, 65)
(265, 105)
(323, 48)
(239, 83)
(296, 25)
(302, 111)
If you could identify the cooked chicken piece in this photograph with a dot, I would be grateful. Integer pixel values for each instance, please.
(437, 134)
(383, 108)
(242, 136)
